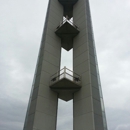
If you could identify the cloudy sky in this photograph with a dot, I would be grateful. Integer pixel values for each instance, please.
(21, 25)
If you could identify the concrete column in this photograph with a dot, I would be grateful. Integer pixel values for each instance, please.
(87, 101)
(42, 109)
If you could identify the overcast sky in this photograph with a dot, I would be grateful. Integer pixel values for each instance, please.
(21, 26)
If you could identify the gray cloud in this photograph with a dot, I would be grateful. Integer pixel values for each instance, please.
(123, 127)
(111, 27)
(118, 118)
(65, 117)
(21, 24)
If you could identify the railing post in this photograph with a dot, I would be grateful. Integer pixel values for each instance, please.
(60, 23)
(57, 77)
(64, 71)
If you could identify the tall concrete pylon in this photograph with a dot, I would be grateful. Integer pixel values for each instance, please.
(68, 25)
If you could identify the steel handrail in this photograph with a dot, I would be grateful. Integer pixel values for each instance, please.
(58, 72)
(67, 74)
(58, 76)
(66, 20)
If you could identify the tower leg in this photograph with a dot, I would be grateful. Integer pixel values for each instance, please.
(87, 101)
(42, 109)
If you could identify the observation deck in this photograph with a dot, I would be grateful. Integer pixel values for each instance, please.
(67, 30)
(65, 82)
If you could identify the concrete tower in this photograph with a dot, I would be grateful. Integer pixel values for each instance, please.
(68, 25)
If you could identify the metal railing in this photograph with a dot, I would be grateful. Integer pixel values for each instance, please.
(65, 73)
(64, 21)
